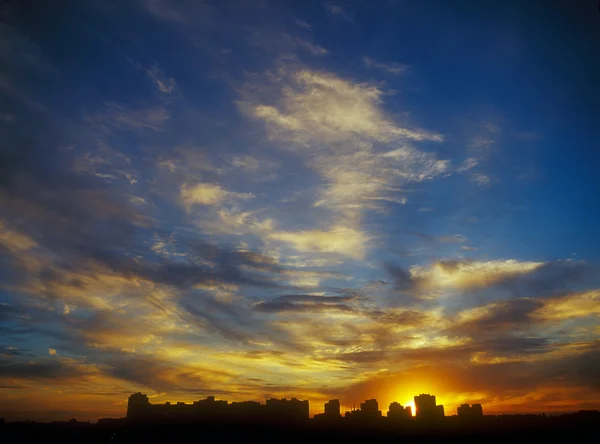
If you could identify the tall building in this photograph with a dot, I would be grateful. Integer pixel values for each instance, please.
(332, 408)
(427, 408)
(466, 411)
(287, 409)
(138, 406)
(370, 409)
(209, 409)
(398, 413)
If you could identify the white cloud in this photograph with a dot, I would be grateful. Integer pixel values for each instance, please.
(492, 127)
(341, 130)
(481, 142)
(454, 238)
(392, 68)
(117, 117)
(208, 194)
(469, 163)
(163, 83)
(304, 24)
(338, 239)
(163, 9)
(462, 275)
(311, 48)
(246, 162)
(335, 124)
(337, 10)
(479, 179)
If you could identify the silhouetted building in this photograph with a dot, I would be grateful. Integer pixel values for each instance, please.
(466, 411)
(111, 422)
(397, 413)
(439, 411)
(332, 408)
(138, 406)
(247, 411)
(287, 409)
(427, 408)
(370, 409)
(331, 412)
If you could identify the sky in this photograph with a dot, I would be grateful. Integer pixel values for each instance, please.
(255, 199)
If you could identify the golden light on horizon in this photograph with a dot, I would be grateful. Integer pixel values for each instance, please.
(411, 404)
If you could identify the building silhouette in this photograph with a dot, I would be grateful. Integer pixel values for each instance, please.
(331, 412)
(368, 412)
(276, 410)
(138, 406)
(466, 411)
(287, 409)
(332, 408)
(397, 413)
(427, 409)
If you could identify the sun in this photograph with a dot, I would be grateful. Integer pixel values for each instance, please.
(411, 404)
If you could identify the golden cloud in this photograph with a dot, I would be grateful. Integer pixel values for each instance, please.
(463, 275)
(339, 239)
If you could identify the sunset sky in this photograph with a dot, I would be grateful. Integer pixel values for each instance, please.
(254, 199)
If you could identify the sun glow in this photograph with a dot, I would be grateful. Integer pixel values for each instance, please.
(411, 404)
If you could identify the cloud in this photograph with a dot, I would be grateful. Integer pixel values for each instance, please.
(335, 108)
(454, 238)
(392, 68)
(208, 194)
(246, 162)
(338, 239)
(13, 240)
(502, 316)
(116, 117)
(311, 48)
(43, 369)
(304, 24)
(479, 179)
(52, 352)
(164, 84)
(469, 163)
(572, 305)
(305, 303)
(468, 275)
(340, 129)
(481, 142)
(336, 10)
(164, 10)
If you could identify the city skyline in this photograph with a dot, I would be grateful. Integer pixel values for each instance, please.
(326, 199)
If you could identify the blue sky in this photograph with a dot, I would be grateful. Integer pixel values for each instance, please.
(317, 199)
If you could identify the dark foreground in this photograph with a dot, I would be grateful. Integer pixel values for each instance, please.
(121, 431)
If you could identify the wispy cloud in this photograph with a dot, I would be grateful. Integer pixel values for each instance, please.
(338, 121)
(334, 124)
(164, 84)
(392, 68)
(338, 239)
(114, 117)
(311, 48)
(479, 179)
(336, 10)
(208, 194)
(303, 24)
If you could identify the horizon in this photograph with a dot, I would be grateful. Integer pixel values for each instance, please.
(312, 412)
(331, 199)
